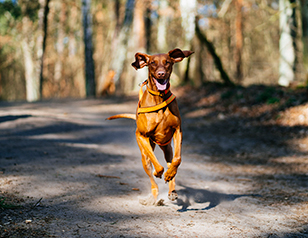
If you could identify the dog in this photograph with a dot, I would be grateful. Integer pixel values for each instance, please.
(158, 118)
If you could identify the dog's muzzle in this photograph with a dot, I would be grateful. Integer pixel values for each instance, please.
(161, 84)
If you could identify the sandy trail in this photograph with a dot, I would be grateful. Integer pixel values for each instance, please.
(233, 182)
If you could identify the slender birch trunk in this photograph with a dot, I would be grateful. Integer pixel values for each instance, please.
(188, 12)
(287, 47)
(34, 62)
(32, 82)
(120, 52)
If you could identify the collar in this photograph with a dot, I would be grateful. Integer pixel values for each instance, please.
(158, 93)
(155, 93)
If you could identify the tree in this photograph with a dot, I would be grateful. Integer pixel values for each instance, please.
(43, 22)
(61, 7)
(162, 27)
(304, 14)
(87, 35)
(32, 12)
(34, 62)
(239, 39)
(119, 54)
(188, 13)
(210, 47)
(287, 44)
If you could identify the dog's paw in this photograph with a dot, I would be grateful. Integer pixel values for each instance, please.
(173, 195)
(169, 175)
(159, 173)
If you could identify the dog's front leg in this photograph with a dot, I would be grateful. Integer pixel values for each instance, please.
(176, 161)
(145, 144)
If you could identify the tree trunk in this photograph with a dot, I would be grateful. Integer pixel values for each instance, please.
(34, 63)
(188, 13)
(89, 62)
(31, 77)
(287, 46)
(60, 42)
(32, 82)
(138, 44)
(162, 27)
(216, 58)
(119, 55)
(41, 41)
(148, 27)
(117, 6)
(239, 40)
(304, 14)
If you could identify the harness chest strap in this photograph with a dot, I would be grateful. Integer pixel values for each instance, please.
(156, 107)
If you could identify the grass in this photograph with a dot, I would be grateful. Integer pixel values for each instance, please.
(4, 205)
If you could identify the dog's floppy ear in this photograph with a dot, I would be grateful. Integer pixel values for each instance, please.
(141, 60)
(178, 55)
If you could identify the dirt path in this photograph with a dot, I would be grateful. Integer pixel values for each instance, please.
(76, 175)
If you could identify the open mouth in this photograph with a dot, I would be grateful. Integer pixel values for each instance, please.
(161, 84)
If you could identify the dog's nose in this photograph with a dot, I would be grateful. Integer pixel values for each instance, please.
(161, 74)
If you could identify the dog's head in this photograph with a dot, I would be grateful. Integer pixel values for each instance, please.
(160, 65)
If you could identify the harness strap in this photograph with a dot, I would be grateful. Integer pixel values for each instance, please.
(156, 107)
(140, 90)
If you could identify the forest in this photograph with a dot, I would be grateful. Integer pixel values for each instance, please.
(77, 49)
(66, 171)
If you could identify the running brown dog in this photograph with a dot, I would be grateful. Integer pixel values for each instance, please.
(158, 118)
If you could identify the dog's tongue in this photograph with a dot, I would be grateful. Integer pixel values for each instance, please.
(160, 86)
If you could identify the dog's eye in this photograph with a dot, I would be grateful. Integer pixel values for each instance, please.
(153, 63)
(168, 62)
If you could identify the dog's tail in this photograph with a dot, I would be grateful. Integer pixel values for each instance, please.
(125, 115)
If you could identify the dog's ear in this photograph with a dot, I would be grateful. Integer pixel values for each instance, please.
(178, 55)
(141, 60)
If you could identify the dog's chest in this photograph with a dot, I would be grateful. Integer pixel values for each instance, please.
(151, 123)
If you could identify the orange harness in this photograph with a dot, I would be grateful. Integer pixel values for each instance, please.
(155, 107)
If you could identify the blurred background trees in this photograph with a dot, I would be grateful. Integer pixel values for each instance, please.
(66, 48)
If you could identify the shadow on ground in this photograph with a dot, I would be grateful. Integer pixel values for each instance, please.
(188, 196)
